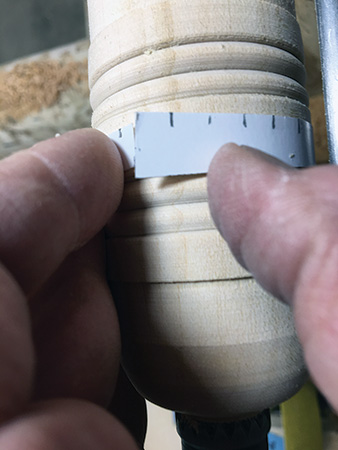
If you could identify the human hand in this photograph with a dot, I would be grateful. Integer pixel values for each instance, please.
(59, 336)
(281, 224)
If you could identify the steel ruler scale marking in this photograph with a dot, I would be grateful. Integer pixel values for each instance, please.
(164, 144)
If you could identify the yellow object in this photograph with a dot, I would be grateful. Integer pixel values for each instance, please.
(301, 420)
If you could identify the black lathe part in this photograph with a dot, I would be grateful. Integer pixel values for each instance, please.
(247, 434)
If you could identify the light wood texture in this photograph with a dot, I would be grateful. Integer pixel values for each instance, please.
(228, 103)
(196, 58)
(152, 192)
(101, 14)
(199, 335)
(157, 26)
(172, 257)
(243, 298)
(219, 349)
(197, 85)
(165, 219)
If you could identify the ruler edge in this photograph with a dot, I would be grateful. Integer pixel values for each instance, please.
(130, 134)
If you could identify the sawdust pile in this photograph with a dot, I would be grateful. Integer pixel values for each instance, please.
(34, 85)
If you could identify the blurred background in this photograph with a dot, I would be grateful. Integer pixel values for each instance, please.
(32, 26)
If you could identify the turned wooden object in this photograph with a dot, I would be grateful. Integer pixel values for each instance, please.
(199, 335)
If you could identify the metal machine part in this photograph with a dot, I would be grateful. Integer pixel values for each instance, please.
(247, 434)
(327, 18)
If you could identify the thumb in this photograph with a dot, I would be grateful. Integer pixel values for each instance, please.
(281, 225)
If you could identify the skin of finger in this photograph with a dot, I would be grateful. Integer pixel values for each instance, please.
(281, 224)
(54, 197)
(259, 206)
(66, 425)
(76, 331)
(316, 304)
(16, 348)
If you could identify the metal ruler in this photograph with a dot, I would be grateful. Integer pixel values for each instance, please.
(164, 144)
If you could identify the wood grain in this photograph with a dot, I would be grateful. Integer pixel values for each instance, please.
(103, 13)
(220, 349)
(197, 85)
(170, 23)
(161, 219)
(227, 103)
(190, 256)
(192, 58)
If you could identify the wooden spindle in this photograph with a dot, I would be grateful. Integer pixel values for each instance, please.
(199, 335)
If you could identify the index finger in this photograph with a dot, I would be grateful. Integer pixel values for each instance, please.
(54, 197)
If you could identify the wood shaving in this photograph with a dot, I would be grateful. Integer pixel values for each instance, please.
(31, 86)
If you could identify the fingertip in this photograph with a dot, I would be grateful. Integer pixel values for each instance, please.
(228, 183)
(99, 141)
(219, 170)
(230, 155)
(89, 165)
(223, 154)
(241, 183)
(88, 143)
(82, 142)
